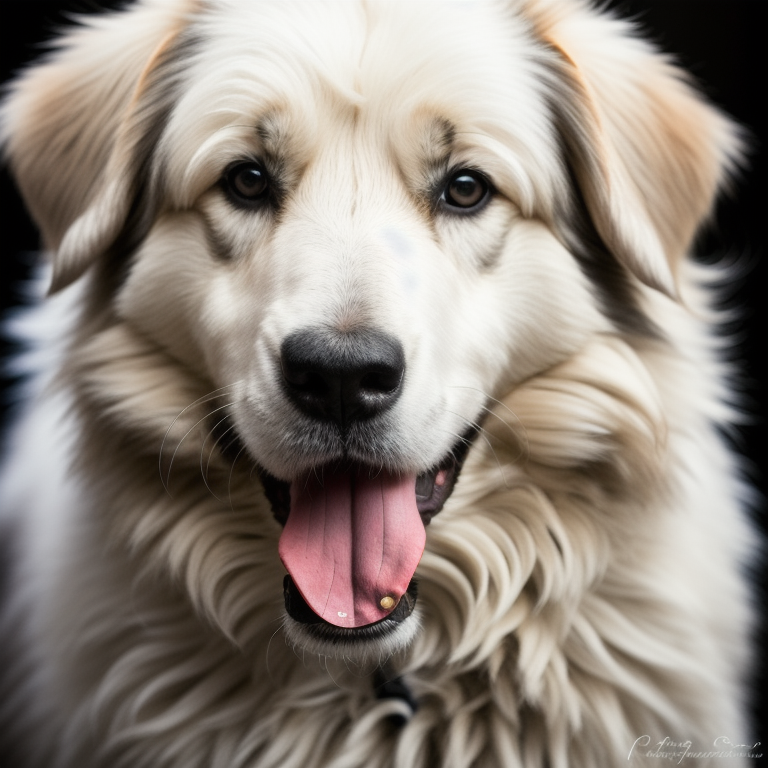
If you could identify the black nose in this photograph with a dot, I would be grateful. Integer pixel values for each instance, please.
(342, 377)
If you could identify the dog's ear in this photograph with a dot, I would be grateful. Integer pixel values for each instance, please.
(648, 153)
(78, 129)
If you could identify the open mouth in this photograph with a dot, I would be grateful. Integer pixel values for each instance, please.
(352, 538)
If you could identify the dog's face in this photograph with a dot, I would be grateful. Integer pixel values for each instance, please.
(352, 202)
(363, 223)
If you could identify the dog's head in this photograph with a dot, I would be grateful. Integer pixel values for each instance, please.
(363, 222)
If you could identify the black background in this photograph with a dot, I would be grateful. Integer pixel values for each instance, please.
(723, 43)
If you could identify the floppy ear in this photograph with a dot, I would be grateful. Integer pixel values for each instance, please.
(648, 154)
(78, 129)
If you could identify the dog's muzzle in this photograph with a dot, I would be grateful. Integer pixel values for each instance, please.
(353, 533)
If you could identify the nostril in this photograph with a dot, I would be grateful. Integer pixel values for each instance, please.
(303, 380)
(384, 381)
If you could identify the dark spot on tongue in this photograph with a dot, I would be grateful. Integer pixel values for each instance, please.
(352, 541)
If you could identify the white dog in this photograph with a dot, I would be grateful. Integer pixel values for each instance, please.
(312, 260)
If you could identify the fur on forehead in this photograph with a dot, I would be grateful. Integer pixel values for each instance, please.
(360, 64)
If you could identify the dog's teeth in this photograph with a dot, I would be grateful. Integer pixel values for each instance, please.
(387, 602)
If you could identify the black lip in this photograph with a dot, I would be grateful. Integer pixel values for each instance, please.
(432, 502)
(297, 608)
(279, 494)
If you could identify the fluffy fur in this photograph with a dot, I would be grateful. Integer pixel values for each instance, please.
(580, 597)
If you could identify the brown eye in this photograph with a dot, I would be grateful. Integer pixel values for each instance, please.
(247, 184)
(466, 190)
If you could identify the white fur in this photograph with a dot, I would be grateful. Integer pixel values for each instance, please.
(582, 588)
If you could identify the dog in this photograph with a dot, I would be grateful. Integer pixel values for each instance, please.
(374, 413)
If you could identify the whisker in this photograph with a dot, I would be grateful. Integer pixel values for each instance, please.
(483, 433)
(519, 436)
(204, 470)
(218, 440)
(280, 628)
(186, 435)
(229, 480)
(330, 673)
(200, 400)
(487, 397)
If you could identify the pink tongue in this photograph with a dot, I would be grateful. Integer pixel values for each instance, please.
(352, 543)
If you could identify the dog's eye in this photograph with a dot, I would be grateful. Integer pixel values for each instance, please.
(466, 191)
(247, 184)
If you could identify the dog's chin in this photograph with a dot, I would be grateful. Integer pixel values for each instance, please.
(364, 646)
